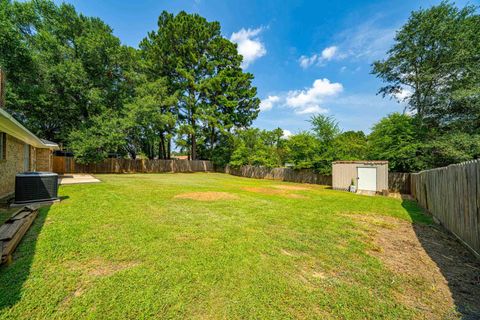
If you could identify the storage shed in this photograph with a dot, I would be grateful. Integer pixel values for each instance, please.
(366, 175)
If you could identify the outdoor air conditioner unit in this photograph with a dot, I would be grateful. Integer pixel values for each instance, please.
(36, 187)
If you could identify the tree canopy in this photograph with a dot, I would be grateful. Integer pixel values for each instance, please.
(203, 69)
(63, 68)
(183, 91)
(434, 68)
(71, 80)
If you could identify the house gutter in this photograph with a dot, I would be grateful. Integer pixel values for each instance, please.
(12, 127)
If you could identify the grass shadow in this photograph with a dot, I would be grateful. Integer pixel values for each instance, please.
(14, 275)
(458, 265)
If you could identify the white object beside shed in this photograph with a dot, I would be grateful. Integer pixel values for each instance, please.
(367, 175)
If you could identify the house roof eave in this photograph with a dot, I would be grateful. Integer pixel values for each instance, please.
(12, 127)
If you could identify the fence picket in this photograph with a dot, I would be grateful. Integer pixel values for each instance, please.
(63, 165)
(452, 195)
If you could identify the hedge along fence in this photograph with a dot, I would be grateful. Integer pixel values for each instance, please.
(452, 195)
(114, 165)
(282, 174)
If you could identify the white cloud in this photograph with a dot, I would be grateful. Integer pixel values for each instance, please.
(327, 54)
(306, 62)
(312, 110)
(366, 41)
(403, 95)
(309, 100)
(249, 45)
(286, 133)
(267, 104)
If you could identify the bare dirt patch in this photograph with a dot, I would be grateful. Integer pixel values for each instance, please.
(295, 196)
(402, 196)
(310, 277)
(441, 275)
(278, 192)
(288, 253)
(207, 196)
(67, 301)
(99, 267)
(294, 188)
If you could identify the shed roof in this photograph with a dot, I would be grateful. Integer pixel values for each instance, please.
(12, 127)
(361, 161)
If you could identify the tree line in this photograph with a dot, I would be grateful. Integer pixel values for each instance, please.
(433, 68)
(70, 80)
(395, 138)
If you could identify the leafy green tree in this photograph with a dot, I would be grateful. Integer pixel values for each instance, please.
(451, 148)
(396, 138)
(222, 153)
(204, 68)
(350, 145)
(232, 103)
(70, 68)
(258, 148)
(93, 142)
(152, 117)
(16, 57)
(435, 68)
(325, 128)
(304, 150)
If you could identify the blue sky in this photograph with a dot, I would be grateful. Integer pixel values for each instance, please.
(307, 56)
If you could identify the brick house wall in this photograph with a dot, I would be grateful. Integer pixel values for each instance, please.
(12, 164)
(40, 160)
(44, 160)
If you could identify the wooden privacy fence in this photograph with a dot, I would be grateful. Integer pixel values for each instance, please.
(283, 174)
(399, 182)
(452, 195)
(63, 165)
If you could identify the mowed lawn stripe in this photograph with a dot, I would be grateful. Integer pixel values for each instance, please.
(128, 248)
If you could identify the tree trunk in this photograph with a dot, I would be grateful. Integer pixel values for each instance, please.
(193, 138)
(132, 153)
(169, 148)
(161, 147)
(193, 141)
(151, 152)
(193, 152)
(212, 142)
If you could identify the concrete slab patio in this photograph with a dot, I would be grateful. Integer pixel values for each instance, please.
(77, 179)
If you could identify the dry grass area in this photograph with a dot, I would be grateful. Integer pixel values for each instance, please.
(281, 191)
(291, 187)
(439, 274)
(99, 267)
(206, 196)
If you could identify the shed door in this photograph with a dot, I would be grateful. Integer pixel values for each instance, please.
(367, 179)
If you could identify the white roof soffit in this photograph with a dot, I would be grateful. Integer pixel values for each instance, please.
(12, 127)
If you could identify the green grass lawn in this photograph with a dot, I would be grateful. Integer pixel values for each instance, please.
(127, 248)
